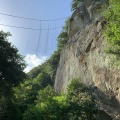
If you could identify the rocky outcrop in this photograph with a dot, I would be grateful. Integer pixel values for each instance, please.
(84, 14)
(84, 57)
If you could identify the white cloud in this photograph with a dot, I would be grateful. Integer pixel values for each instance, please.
(32, 61)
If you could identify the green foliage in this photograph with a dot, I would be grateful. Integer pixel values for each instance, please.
(43, 79)
(33, 91)
(24, 95)
(26, 92)
(63, 36)
(11, 111)
(35, 71)
(11, 64)
(52, 64)
(33, 113)
(48, 107)
(39, 78)
(49, 67)
(11, 74)
(45, 95)
(81, 101)
(76, 104)
(62, 39)
(112, 29)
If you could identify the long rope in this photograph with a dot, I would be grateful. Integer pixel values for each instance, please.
(33, 19)
(38, 45)
(39, 29)
(47, 37)
(28, 36)
(29, 27)
(55, 33)
(53, 37)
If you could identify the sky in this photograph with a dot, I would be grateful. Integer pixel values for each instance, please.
(35, 26)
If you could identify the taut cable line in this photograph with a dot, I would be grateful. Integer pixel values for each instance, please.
(29, 27)
(28, 36)
(47, 36)
(27, 18)
(39, 39)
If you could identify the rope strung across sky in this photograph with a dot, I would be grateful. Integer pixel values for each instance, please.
(40, 29)
(31, 18)
(30, 27)
(47, 37)
(28, 37)
(38, 45)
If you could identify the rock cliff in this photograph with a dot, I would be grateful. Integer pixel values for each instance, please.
(84, 57)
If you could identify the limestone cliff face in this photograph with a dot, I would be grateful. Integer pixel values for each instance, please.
(84, 57)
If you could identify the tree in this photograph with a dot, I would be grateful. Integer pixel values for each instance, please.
(11, 64)
(27, 91)
(11, 73)
(45, 94)
(81, 101)
(48, 107)
(52, 64)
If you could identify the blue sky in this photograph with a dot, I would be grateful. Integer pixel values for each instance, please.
(36, 45)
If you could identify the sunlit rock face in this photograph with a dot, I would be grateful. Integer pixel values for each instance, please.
(84, 57)
(84, 14)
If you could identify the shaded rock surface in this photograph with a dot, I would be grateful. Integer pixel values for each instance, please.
(84, 57)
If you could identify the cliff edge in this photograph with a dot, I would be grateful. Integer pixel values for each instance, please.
(84, 57)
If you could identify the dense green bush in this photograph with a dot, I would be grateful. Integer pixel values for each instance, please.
(47, 107)
(81, 101)
(112, 29)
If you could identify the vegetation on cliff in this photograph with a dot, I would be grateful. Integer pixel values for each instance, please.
(112, 30)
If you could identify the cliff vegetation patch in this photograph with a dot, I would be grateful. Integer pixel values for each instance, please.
(112, 29)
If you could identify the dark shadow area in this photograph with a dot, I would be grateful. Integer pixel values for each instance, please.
(108, 105)
(102, 115)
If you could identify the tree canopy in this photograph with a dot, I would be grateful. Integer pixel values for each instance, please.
(76, 104)
(11, 63)
(11, 74)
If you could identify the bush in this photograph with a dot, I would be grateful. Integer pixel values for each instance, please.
(112, 29)
(81, 101)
